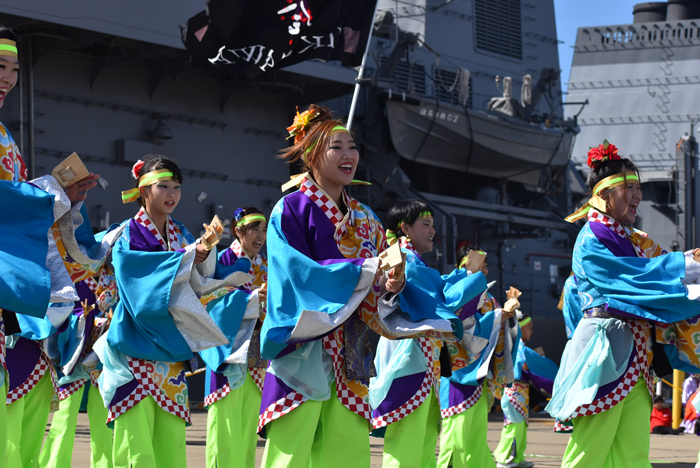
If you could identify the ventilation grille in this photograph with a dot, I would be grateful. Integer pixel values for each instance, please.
(410, 79)
(499, 27)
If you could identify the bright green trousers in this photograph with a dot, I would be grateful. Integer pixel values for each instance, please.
(27, 419)
(511, 448)
(318, 434)
(234, 418)
(147, 436)
(3, 421)
(616, 438)
(58, 448)
(463, 440)
(411, 442)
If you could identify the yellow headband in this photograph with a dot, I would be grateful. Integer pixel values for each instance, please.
(596, 201)
(8, 48)
(251, 218)
(145, 180)
(463, 263)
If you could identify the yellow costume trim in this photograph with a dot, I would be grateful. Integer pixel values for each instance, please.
(596, 201)
(146, 180)
(8, 48)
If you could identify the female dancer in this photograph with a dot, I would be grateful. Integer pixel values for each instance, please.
(80, 370)
(326, 294)
(404, 393)
(531, 369)
(467, 395)
(159, 322)
(625, 281)
(235, 372)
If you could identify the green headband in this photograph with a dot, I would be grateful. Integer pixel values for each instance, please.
(336, 129)
(525, 321)
(8, 48)
(596, 201)
(150, 178)
(251, 218)
(425, 214)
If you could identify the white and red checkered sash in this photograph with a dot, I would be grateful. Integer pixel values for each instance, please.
(144, 371)
(465, 405)
(68, 390)
(429, 380)
(518, 395)
(258, 265)
(175, 238)
(43, 364)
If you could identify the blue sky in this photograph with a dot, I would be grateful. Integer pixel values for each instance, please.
(574, 14)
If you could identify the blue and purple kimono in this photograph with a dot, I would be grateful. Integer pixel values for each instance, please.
(408, 369)
(625, 282)
(159, 321)
(325, 300)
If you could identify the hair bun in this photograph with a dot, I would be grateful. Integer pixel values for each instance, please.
(601, 153)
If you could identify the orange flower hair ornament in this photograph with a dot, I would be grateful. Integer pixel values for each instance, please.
(301, 124)
(604, 152)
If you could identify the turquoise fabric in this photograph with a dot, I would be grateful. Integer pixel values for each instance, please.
(297, 283)
(597, 354)
(394, 359)
(142, 326)
(27, 216)
(227, 312)
(572, 306)
(509, 411)
(115, 369)
(538, 365)
(303, 370)
(603, 278)
(35, 329)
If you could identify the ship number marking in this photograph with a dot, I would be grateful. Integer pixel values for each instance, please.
(448, 116)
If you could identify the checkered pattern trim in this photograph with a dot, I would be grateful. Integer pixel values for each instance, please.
(310, 189)
(140, 369)
(92, 284)
(639, 366)
(94, 375)
(511, 393)
(144, 220)
(464, 406)
(561, 428)
(65, 392)
(258, 375)
(39, 370)
(332, 344)
(596, 216)
(240, 253)
(280, 408)
(2, 342)
(217, 395)
(418, 398)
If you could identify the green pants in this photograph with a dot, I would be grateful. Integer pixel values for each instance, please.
(411, 442)
(234, 418)
(58, 448)
(147, 436)
(463, 441)
(511, 448)
(28, 417)
(318, 434)
(616, 438)
(3, 420)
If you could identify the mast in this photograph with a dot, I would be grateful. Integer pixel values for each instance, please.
(360, 73)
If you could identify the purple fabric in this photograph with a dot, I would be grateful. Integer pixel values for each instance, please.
(542, 384)
(141, 239)
(216, 381)
(460, 393)
(618, 245)
(124, 391)
(228, 257)
(607, 388)
(273, 390)
(21, 361)
(401, 390)
(85, 293)
(469, 309)
(319, 243)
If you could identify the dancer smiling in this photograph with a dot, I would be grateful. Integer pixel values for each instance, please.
(625, 282)
(326, 295)
(235, 372)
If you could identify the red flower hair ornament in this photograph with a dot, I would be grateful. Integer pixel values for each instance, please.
(137, 168)
(604, 152)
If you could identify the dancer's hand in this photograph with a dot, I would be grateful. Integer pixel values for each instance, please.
(78, 191)
(201, 254)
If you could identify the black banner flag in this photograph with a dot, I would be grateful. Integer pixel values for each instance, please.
(255, 36)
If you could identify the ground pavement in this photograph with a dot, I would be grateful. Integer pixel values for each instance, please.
(545, 448)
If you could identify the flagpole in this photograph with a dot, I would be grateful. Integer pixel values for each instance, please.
(360, 73)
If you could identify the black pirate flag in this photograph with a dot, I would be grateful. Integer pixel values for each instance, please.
(255, 36)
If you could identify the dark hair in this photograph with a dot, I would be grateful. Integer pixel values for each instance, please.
(317, 135)
(406, 211)
(524, 316)
(659, 399)
(463, 252)
(153, 162)
(8, 33)
(247, 210)
(607, 168)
